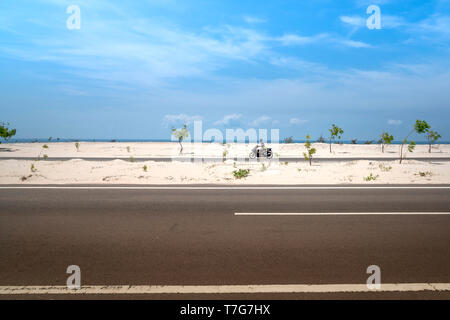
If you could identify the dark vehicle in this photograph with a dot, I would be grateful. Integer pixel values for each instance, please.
(266, 153)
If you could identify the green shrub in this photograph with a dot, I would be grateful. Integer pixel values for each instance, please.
(371, 177)
(308, 155)
(384, 167)
(335, 132)
(224, 155)
(432, 137)
(241, 173)
(386, 139)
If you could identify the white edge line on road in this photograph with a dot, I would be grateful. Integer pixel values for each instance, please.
(223, 289)
(335, 213)
(217, 188)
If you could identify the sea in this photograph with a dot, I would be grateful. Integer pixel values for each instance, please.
(45, 140)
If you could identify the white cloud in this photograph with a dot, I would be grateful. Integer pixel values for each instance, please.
(262, 120)
(353, 20)
(438, 24)
(296, 121)
(294, 39)
(253, 20)
(177, 119)
(395, 122)
(229, 119)
(354, 44)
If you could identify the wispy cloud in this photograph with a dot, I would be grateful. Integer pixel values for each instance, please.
(253, 20)
(179, 119)
(297, 121)
(355, 21)
(394, 122)
(262, 120)
(436, 24)
(229, 119)
(294, 39)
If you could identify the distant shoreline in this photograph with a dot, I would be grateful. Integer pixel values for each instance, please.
(46, 140)
(362, 142)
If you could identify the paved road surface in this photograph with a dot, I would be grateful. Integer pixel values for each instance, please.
(192, 237)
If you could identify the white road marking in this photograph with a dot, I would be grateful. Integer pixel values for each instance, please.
(335, 213)
(223, 188)
(224, 289)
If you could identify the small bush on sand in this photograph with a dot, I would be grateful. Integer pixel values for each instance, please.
(33, 168)
(421, 126)
(77, 146)
(425, 174)
(384, 168)
(386, 139)
(5, 132)
(144, 168)
(308, 155)
(335, 132)
(131, 159)
(180, 135)
(241, 173)
(432, 137)
(371, 177)
(128, 149)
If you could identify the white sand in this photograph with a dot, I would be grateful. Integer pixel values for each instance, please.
(167, 149)
(127, 172)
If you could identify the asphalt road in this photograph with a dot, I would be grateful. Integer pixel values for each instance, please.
(192, 237)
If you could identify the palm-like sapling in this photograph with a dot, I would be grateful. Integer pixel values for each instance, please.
(180, 134)
(309, 150)
(432, 137)
(335, 132)
(386, 139)
(421, 126)
(5, 132)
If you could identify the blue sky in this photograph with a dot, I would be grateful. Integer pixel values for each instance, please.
(134, 69)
